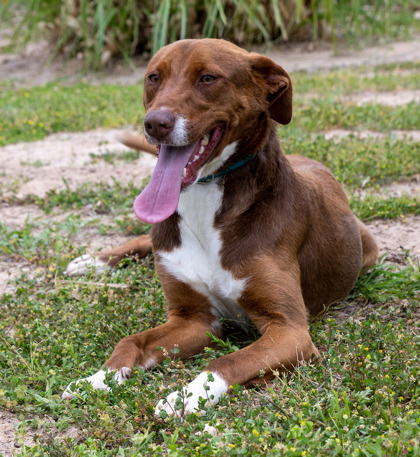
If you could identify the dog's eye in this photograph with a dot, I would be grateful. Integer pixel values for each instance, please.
(207, 79)
(153, 78)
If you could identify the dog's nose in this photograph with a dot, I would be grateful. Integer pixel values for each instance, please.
(159, 124)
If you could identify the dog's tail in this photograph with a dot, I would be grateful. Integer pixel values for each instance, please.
(369, 246)
(136, 141)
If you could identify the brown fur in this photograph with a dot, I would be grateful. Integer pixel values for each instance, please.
(285, 222)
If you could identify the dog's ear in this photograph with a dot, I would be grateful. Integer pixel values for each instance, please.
(278, 87)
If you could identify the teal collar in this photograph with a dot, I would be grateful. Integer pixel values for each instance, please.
(233, 167)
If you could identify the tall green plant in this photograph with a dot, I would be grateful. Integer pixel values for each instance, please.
(101, 29)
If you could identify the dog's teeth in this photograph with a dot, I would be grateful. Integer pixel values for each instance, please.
(196, 157)
(184, 172)
(201, 150)
(205, 140)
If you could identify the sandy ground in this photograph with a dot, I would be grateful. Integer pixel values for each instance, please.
(29, 67)
(338, 134)
(13, 437)
(77, 163)
(11, 440)
(42, 165)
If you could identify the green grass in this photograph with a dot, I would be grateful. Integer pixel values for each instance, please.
(361, 399)
(349, 81)
(376, 207)
(316, 114)
(31, 114)
(355, 161)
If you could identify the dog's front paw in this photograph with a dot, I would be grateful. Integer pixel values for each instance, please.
(81, 265)
(204, 390)
(97, 381)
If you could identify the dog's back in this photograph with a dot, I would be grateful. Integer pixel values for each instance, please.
(238, 227)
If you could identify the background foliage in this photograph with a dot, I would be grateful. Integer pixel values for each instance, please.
(102, 29)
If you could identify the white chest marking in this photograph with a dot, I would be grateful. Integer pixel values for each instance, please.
(197, 260)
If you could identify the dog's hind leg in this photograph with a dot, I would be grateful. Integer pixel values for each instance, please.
(369, 247)
(103, 260)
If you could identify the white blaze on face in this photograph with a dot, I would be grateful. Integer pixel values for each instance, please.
(179, 135)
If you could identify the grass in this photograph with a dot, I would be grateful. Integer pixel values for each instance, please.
(117, 200)
(342, 82)
(357, 162)
(31, 114)
(317, 114)
(361, 399)
(377, 207)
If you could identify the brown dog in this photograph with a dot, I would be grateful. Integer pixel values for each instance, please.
(240, 230)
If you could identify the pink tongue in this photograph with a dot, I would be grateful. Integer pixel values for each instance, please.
(160, 198)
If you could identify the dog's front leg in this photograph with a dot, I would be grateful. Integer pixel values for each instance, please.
(189, 321)
(148, 348)
(280, 349)
(273, 301)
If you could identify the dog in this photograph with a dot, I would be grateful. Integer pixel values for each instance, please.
(239, 230)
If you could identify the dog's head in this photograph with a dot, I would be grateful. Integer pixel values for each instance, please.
(201, 98)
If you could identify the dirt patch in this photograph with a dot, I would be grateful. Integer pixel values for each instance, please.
(74, 158)
(401, 97)
(11, 440)
(397, 189)
(64, 159)
(397, 238)
(297, 57)
(339, 134)
(15, 216)
(10, 270)
(29, 67)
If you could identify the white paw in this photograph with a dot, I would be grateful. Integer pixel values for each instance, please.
(81, 265)
(97, 381)
(205, 389)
